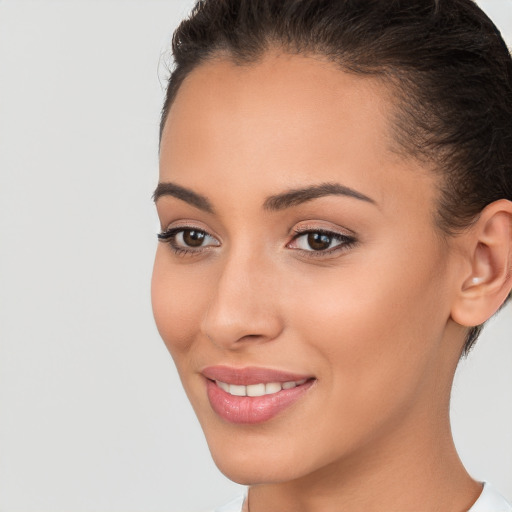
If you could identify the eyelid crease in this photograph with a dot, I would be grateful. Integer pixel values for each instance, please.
(187, 224)
(315, 227)
(332, 234)
(322, 229)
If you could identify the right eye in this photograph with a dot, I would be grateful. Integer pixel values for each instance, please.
(188, 240)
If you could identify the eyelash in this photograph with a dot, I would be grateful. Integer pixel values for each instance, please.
(346, 241)
(169, 237)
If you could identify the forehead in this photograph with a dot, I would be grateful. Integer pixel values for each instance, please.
(282, 122)
(290, 93)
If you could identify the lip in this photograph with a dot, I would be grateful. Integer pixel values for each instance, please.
(250, 375)
(252, 410)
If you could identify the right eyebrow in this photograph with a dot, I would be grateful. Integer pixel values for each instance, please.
(185, 194)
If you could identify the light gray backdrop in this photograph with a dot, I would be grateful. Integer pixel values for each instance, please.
(92, 415)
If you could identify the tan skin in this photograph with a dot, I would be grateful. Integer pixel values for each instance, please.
(378, 314)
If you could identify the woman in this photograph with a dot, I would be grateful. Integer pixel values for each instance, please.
(335, 201)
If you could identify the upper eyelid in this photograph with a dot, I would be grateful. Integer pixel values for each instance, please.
(184, 224)
(299, 232)
(189, 225)
(333, 234)
(324, 226)
(177, 229)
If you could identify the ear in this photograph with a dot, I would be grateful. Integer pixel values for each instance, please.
(487, 283)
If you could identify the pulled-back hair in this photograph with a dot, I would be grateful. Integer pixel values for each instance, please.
(448, 66)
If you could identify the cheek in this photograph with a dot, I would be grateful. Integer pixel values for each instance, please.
(376, 327)
(177, 299)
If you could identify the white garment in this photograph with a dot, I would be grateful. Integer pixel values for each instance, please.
(489, 501)
(234, 505)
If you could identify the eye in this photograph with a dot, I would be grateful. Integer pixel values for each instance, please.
(320, 241)
(188, 240)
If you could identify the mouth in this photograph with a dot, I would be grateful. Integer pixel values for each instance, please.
(260, 389)
(253, 395)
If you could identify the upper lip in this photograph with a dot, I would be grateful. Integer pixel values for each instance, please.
(250, 375)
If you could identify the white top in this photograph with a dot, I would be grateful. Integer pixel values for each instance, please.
(489, 501)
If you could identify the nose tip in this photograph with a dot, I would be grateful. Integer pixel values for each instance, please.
(233, 327)
(243, 309)
(233, 333)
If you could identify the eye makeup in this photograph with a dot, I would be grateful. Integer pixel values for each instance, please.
(310, 242)
(190, 240)
(318, 242)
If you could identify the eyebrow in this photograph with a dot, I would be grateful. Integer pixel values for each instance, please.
(277, 202)
(185, 194)
(302, 195)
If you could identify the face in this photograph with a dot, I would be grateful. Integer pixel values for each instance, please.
(300, 285)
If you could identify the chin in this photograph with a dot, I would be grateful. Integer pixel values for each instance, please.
(255, 457)
(244, 471)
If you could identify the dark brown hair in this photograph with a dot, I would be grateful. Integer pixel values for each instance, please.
(450, 70)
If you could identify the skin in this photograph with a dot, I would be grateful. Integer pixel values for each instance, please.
(372, 320)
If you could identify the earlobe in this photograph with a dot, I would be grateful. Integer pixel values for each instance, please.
(489, 282)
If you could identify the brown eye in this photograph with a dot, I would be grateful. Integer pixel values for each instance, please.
(188, 240)
(319, 241)
(193, 237)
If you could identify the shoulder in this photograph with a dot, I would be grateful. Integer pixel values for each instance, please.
(233, 506)
(491, 501)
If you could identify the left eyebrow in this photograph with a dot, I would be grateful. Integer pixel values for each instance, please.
(298, 196)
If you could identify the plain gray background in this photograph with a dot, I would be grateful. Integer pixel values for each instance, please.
(92, 415)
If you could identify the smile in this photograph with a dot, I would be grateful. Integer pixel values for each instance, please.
(253, 395)
(260, 389)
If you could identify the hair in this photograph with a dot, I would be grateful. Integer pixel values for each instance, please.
(448, 66)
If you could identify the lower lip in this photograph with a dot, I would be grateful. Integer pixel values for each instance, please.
(252, 409)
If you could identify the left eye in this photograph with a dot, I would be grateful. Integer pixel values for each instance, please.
(316, 241)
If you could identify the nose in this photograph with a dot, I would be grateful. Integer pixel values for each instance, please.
(244, 305)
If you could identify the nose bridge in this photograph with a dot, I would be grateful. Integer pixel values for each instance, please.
(243, 306)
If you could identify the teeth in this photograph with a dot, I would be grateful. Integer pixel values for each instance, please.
(256, 390)
(223, 386)
(237, 390)
(262, 389)
(272, 387)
